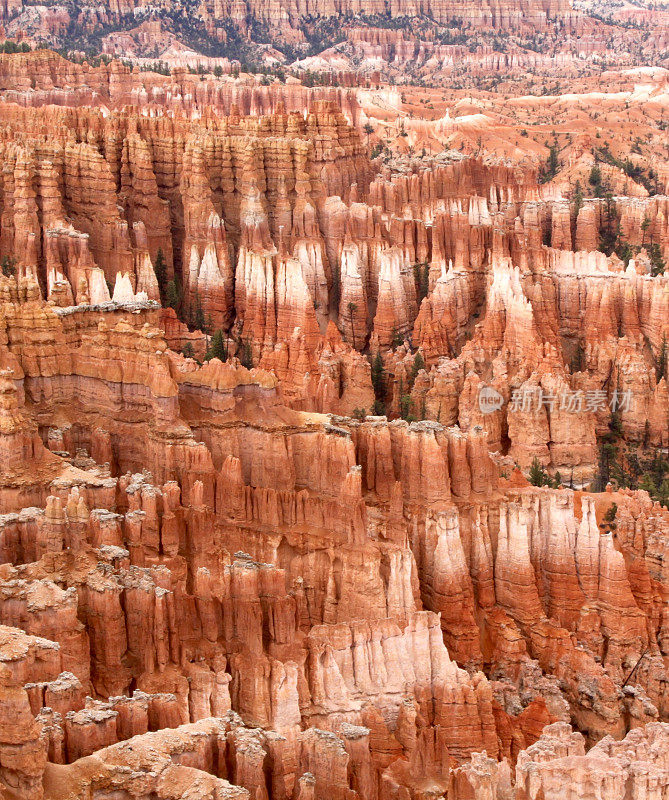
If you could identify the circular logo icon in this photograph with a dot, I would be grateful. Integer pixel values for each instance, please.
(490, 400)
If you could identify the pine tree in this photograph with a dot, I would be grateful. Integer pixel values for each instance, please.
(610, 515)
(8, 266)
(188, 351)
(607, 454)
(537, 476)
(247, 354)
(578, 361)
(378, 409)
(418, 365)
(648, 484)
(578, 198)
(336, 291)
(662, 495)
(405, 408)
(378, 375)
(421, 274)
(369, 130)
(172, 295)
(657, 263)
(405, 402)
(218, 348)
(397, 340)
(610, 233)
(553, 158)
(425, 280)
(160, 269)
(661, 368)
(595, 180)
(548, 171)
(646, 433)
(198, 314)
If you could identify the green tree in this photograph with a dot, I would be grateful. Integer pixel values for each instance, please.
(405, 408)
(8, 266)
(647, 484)
(246, 354)
(173, 295)
(657, 264)
(578, 198)
(661, 367)
(421, 273)
(160, 268)
(336, 291)
(609, 517)
(378, 409)
(538, 475)
(404, 402)
(378, 375)
(352, 308)
(662, 495)
(188, 351)
(610, 233)
(425, 280)
(417, 366)
(199, 321)
(552, 166)
(368, 130)
(553, 159)
(623, 250)
(218, 347)
(577, 363)
(607, 455)
(616, 421)
(595, 178)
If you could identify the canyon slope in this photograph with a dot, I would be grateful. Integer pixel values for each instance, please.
(333, 432)
(401, 41)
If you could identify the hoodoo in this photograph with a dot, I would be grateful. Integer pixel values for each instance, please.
(334, 416)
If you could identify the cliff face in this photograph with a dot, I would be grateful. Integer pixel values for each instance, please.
(348, 43)
(363, 604)
(492, 14)
(88, 212)
(315, 568)
(43, 77)
(287, 16)
(278, 229)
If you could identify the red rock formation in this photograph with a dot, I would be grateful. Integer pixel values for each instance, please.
(224, 578)
(293, 638)
(22, 751)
